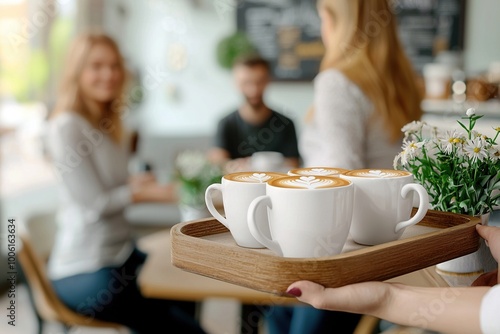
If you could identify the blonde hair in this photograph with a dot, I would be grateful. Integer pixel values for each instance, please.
(365, 47)
(70, 98)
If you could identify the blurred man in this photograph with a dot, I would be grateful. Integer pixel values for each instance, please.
(254, 127)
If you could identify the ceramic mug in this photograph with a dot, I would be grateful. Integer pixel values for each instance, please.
(309, 216)
(382, 205)
(238, 191)
(267, 161)
(317, 171)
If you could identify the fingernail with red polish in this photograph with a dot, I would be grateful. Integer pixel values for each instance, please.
(295, 292)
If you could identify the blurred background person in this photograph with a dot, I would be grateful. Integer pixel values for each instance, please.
(364, 94)
(94, 250)
(254, 127)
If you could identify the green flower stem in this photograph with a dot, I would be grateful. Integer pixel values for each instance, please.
(495, 139)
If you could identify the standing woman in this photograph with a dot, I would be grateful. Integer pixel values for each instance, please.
(364, 94)
(94, 264)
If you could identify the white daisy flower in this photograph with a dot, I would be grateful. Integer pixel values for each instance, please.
(460, 151)
(476, 134)
(494, 153)
(434, 132)
(470, 112)
(431, 147)
(191, 163)
(413, 127)
(395, 163)
(475, 150)
(450, 140)
(411, 150)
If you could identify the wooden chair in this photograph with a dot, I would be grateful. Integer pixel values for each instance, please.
(367, 325)
(47, 305)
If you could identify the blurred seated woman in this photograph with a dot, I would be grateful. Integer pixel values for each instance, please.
(94, 264)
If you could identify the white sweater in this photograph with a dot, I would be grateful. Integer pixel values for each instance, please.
(490, 307)
(344, 131)
(92, 169)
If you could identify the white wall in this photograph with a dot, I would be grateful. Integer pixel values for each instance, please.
(205, 91)
(482, 40)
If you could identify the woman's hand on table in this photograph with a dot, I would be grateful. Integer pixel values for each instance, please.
(147, 189)
(237, 165)
(141, 179)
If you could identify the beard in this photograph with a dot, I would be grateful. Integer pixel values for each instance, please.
(255, 103)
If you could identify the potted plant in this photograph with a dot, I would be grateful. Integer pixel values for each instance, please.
(194, 173)
(461, 172)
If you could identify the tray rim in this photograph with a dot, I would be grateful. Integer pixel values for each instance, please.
(347, 263)
(178, 230)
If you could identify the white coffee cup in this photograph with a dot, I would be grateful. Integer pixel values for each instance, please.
(267, 161)
(317, 171)
(382, 205)
(238, 191)
(309, 216)
(437, 79)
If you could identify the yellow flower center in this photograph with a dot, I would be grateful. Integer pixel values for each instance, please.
(457, 140)
(477, 150)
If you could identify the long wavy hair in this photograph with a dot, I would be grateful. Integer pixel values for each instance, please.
(365, 47)
(70, 97)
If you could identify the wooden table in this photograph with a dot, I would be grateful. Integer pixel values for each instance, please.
(160, 279)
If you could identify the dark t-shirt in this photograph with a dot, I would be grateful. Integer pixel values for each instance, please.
(241, 139)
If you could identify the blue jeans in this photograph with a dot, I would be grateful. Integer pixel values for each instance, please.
(112, 294)
(308, 320)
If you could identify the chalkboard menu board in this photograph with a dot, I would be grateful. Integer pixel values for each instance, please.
(287, 33)
(427, 27)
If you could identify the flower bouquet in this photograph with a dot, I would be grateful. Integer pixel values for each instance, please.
(195, 173)
(460, 171)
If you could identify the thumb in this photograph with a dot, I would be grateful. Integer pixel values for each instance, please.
(365, 298)
(333, 299)
(308, 292)
(485, 231)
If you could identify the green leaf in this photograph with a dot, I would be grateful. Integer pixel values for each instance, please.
(463, 126)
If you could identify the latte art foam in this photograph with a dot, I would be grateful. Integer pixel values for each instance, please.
(308, 182)
(318, 171)
(377, 173)
(253, 177)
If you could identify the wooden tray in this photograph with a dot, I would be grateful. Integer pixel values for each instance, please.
(207, 248)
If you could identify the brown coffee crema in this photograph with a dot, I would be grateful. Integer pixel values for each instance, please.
(253, 177)
(309, 182)
(318, 171)
(377, 173)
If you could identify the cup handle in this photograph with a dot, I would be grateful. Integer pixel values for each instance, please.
(254, 227)
(422, 209)
(210, 204)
